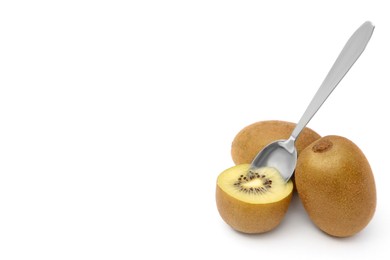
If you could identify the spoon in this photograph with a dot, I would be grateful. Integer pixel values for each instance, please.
(282, 154)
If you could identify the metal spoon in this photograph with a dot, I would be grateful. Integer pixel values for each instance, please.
(282, 154)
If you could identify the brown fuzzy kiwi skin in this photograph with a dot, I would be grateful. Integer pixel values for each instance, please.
(253, 138)
(336, 185)
(251, 218)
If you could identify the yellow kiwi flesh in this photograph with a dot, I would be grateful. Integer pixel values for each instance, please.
(336, 185)
(253, 138)
(252, 201)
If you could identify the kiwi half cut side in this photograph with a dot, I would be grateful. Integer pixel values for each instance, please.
(252, 201)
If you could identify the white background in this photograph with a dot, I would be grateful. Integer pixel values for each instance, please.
(116, 118)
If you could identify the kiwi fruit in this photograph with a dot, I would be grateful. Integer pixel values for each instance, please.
(252, 201)
(336, 185)
(253, 138)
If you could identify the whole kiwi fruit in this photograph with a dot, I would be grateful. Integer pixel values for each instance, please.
(253, 138)
(336, 185)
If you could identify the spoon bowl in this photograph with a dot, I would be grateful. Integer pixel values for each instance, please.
(281, 154)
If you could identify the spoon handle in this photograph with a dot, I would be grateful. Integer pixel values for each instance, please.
(350, 53)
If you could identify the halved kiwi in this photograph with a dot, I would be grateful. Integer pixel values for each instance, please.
(252, 201)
